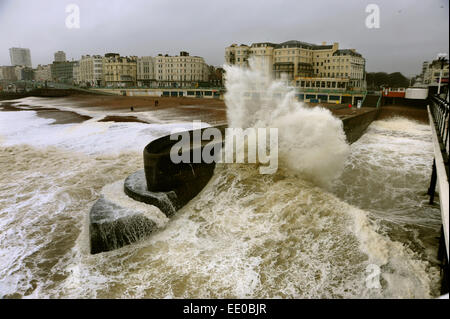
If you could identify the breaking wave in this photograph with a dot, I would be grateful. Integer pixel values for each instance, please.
(295, 234)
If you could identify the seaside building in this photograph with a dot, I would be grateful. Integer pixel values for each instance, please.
(76, 73)
(20, 56)
(146, 72)
(60, 56)
(180, 71)
(237, 55)
(43, 73)
(62, 71)
(215, 77)
(24, 73)
(431, 71)
(304, 65)
(89, 71)
(8, 73)
(119, 71)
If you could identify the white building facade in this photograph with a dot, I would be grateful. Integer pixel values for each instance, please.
(180, 71)
(60, 56)
(20, 56)
(146, 72)
(304, 65)
(90, 71)
(43, 73)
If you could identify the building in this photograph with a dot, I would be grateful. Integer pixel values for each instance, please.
(62, 72)
(76, 73)
(215, 77)
(8, 73)
(146, 72)
(180, 71)
(263, 55)
(24, 73)
(119, 71)
(237, 55)
(60, 56)
(89, 71)
(432, 71)
(43, 73)
(424, 68)
(20, 56)
(304, 65)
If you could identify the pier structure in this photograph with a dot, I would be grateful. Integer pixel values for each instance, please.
(438, 112)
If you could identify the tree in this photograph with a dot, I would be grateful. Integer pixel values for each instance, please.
(376, 80)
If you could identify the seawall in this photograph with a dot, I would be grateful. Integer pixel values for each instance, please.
(169, 187)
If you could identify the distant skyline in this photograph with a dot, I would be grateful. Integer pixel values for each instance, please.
(411, 31)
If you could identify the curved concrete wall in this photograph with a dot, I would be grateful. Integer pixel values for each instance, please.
(169, 187)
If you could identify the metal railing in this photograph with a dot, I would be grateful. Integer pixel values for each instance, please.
(331, 90)
(379, 101)
(363, 99)
(440, 110)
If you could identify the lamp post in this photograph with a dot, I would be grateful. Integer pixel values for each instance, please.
(442, 60)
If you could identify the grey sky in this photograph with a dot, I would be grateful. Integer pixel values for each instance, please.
(411, 31)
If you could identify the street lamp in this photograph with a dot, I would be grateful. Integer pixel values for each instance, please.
(443, 60)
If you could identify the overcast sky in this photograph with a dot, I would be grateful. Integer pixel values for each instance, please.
(411, 31)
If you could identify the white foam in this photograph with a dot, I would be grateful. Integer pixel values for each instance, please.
(312, 142)
(114, 193)
(89, 137)
(244, 236)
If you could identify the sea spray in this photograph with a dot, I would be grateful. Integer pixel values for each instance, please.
(245, 235)
(312, 141)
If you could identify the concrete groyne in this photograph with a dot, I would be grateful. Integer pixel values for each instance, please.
(169, 187)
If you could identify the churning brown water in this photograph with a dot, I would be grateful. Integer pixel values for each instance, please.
(246, 234)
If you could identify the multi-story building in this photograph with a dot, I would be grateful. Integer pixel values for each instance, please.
(76, 73)
(146, 71)
(119, 71)
(237, 55)
(215, 77)
(434, 70)
(8, 73)
(24, 73)
(304, 65)
(60, 56)
(180, 71)
(62, 71)
(424, 68)
(89, 71)
(20, 56)
(43, 73)
(262, 53)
